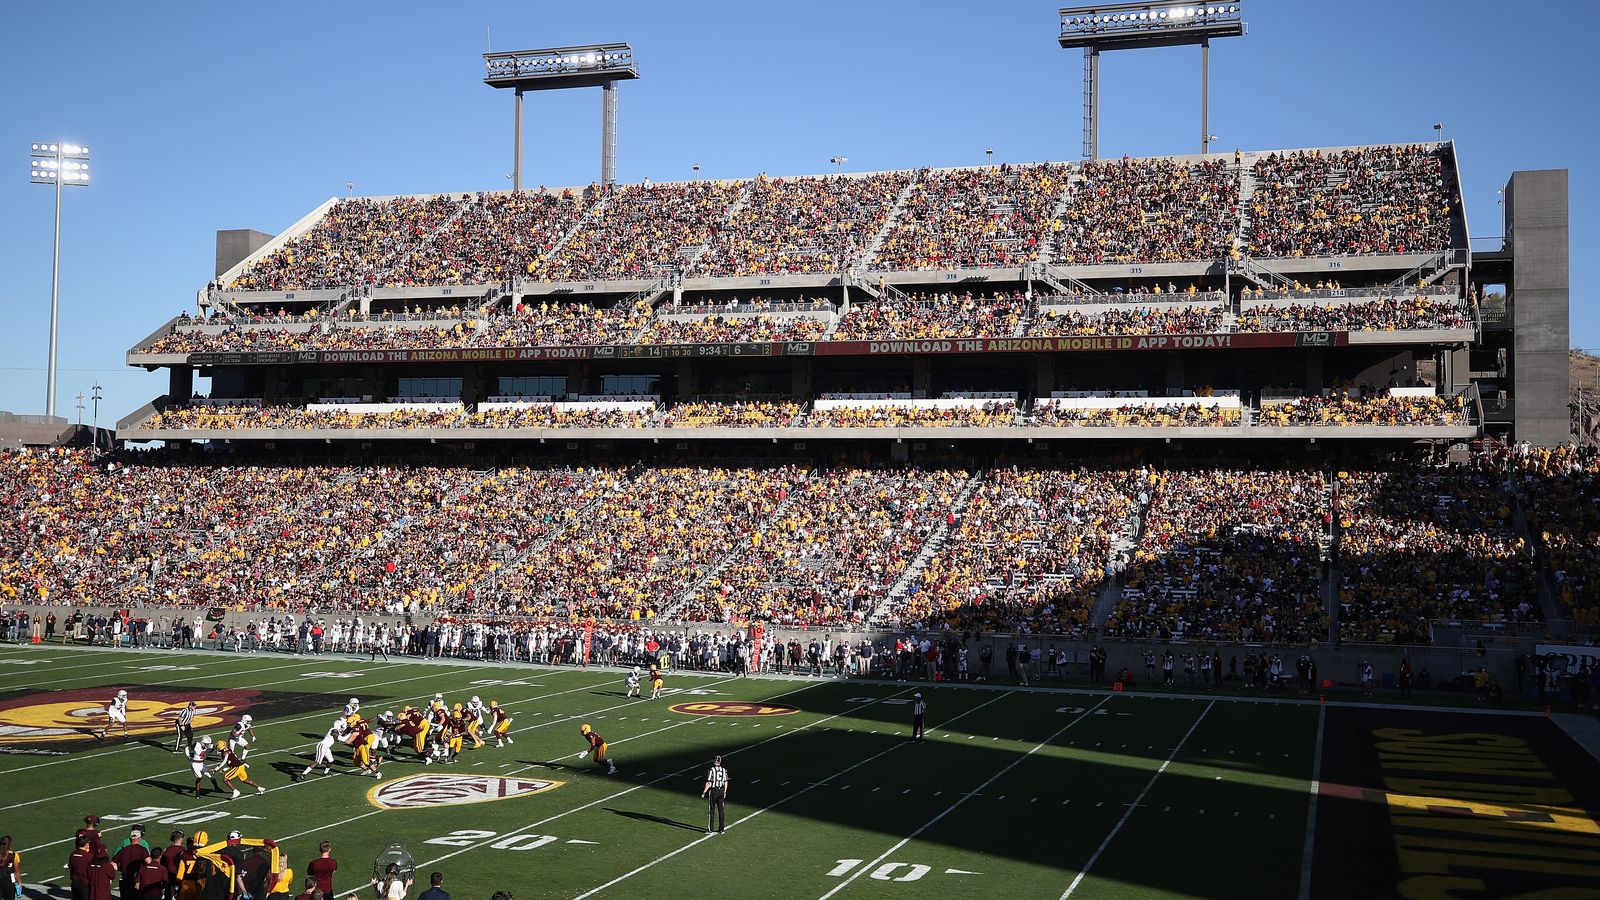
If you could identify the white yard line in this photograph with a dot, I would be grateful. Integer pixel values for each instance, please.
(115, 666)
(1311, 810)
(1135, 805)
(737, 822)
(965, 797)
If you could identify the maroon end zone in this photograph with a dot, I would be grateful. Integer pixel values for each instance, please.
(1439, 804)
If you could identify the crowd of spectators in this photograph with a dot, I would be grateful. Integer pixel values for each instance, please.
(1560, 492)
(933, 316)
(989, 414)
(352, 245)
(558, 415)
(1060, 322)
(219, 417)
(641, 546)
(1395, 199)
(643, 231)
(987, 217)
(1149, 210)
(735, 414)
(720, 329)
(496, 236)
(831, 554)
(1418, 544)
(1028, 553)
(549, 324)
(1387, 314)
(1222, 554)
(1227, 554)
(1135, 415)
(797, 226)
(1343, 408)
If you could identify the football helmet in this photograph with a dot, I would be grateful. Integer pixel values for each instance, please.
(122, 695)
(585, 728)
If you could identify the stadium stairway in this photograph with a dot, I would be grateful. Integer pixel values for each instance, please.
(1121, 551)
(1519, 525)
(1047, 248)
(935, 542)
(672, 612)
(489, 585)
(871, 251)
(584, 222)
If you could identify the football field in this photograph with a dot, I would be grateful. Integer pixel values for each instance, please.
(1015, 793)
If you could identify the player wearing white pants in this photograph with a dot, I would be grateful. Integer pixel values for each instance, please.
(322, 753)
(117, 714)
(197, 764)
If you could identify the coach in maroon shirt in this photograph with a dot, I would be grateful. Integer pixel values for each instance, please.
(100, 876)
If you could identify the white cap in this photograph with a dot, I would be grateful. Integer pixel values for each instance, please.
(917, 695)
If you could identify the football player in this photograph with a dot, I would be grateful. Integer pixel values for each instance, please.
(323, 752)
(502, 724)
(198, 754)
(244, 733)
(475, 714)
(655, 682)
(352, 712)
(116, 714)
(233, 767)
(362, 740)
(633, 682)
(598, 749)
(455, 731)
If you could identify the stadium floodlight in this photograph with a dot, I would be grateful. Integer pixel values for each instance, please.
(839, 162)
(57, 163)
(556, 68)
(1133, 26)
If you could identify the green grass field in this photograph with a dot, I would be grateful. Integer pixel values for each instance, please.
(1015, 793)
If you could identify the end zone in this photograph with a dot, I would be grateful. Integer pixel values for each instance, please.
(1447, 804)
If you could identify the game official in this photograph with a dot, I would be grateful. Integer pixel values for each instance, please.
(716, 796)
(919, 714)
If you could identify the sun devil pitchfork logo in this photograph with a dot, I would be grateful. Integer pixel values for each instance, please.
(451, 790)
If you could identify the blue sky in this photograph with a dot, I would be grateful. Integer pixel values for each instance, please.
(203, 116)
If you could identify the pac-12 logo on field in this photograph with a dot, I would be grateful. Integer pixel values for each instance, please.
(62, 716)
(451, 790)
(731, 708)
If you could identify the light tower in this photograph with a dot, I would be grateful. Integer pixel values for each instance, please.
(590, 65)
(58, 164)
(1132, 26)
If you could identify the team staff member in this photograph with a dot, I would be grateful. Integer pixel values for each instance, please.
(715, 794)
(598, 748)
(171, 857)
(323, 867)
(79, 865)
(919, 713)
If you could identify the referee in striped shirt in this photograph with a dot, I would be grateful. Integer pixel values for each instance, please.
(185, 728)
(716, 795)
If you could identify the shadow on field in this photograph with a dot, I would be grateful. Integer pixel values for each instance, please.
(646, 817)
(171, 787)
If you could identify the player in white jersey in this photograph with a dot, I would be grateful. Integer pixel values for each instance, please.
(633, 682)
(198, 754)
(322, 753)
(117, 714)
(244, 734)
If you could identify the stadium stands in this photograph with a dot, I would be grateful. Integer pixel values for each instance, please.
(1366, 200)
(1416, 546)
(1227, 554)
(1149, 210)
(973, 218)
(925, 316)
(795, 226)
